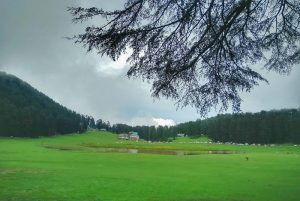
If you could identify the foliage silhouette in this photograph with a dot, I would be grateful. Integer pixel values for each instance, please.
(198, 52)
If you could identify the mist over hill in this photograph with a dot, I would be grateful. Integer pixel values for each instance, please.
(26, 112)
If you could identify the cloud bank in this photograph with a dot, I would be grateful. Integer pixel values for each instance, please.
(33, 48)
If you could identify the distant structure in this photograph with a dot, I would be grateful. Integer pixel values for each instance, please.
(180, 135)
(103, 129)
(123, 136)
(134, 136)
(129, 136)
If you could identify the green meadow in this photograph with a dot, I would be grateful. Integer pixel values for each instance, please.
(78, 167)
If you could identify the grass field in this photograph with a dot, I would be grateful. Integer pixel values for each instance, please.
(73, 167)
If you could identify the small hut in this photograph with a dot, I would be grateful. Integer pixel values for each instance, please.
(129, 136)
(123, 136)
(134, 136)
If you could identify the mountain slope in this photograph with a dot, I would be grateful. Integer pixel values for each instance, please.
(26, 112)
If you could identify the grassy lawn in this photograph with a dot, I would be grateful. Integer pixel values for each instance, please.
(68, 168)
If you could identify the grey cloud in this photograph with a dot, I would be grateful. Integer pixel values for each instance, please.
(33, 48)
(283, 91)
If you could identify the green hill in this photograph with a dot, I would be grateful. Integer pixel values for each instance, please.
(26, 112)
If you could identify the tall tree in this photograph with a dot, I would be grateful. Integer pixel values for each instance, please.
(198, 52)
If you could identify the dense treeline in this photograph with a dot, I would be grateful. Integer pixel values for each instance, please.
(281, 126)
(152, 133)
(277, 126)
(26, 112)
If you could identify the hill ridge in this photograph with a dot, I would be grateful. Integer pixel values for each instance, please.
(27, 112)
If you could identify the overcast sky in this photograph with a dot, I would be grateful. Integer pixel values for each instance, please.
(32, 47)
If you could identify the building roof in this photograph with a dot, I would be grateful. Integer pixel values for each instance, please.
(134, 133)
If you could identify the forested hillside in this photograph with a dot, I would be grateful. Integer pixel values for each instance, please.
(265, 127)
(26, 112)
